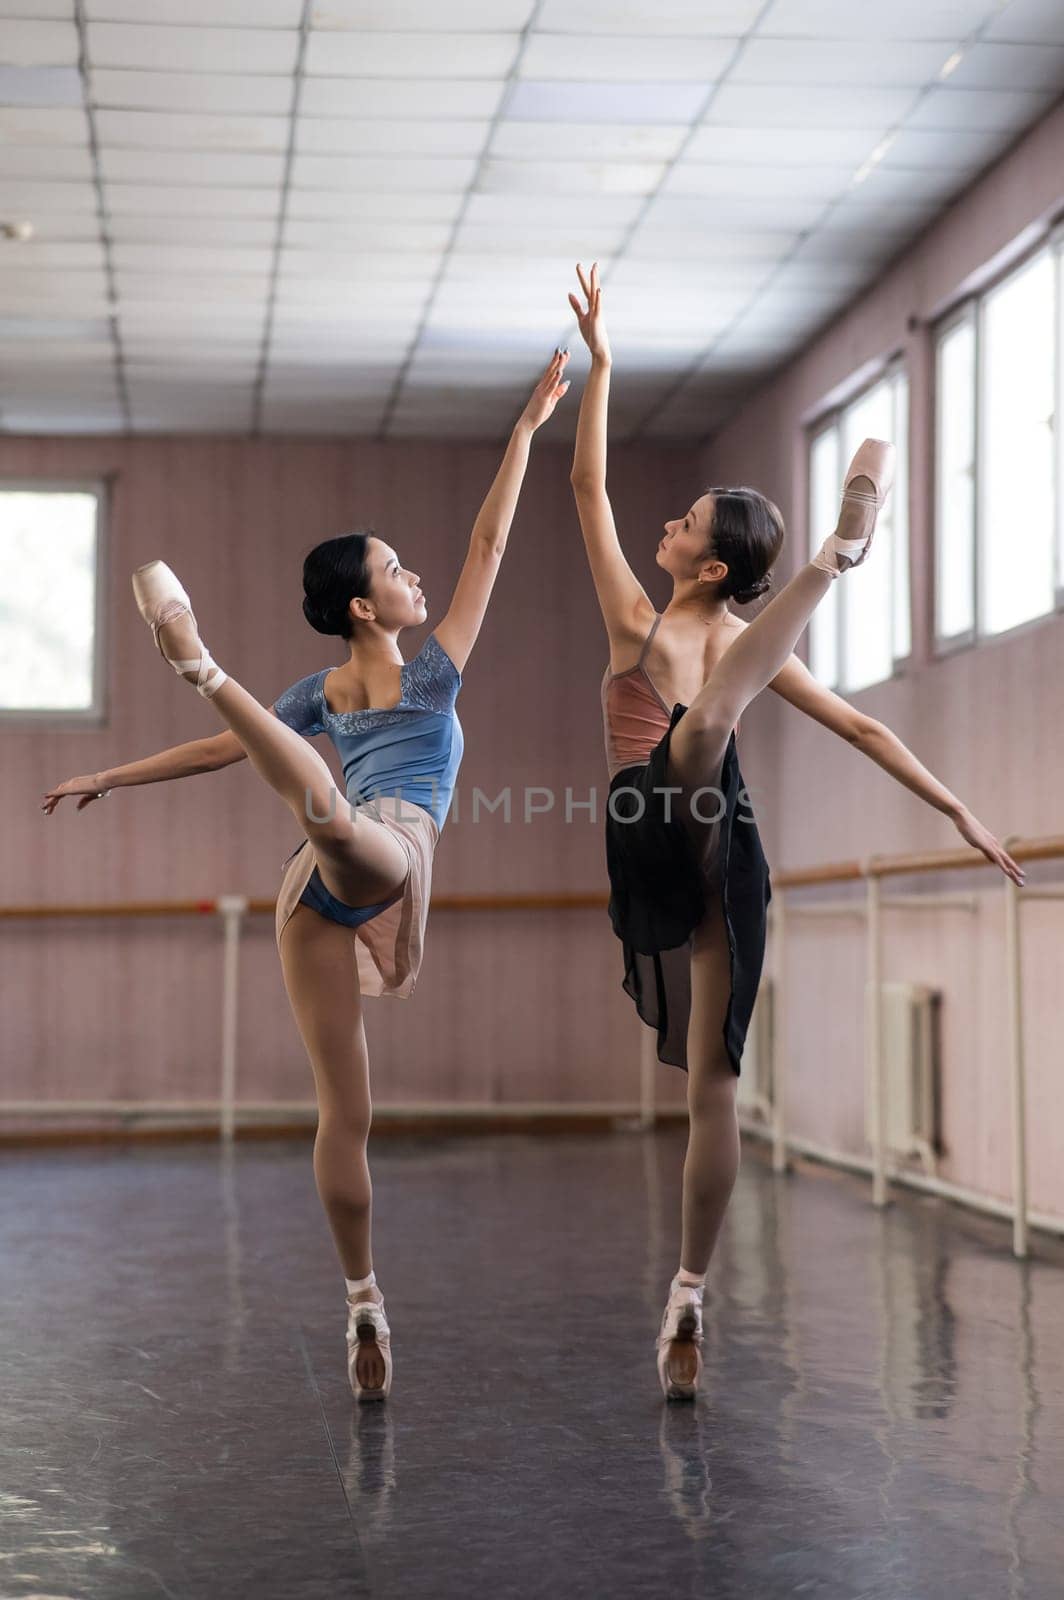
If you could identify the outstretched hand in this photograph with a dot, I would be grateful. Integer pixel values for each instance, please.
(590, 318)
(88, 787)
(548, 391)
(971, 829)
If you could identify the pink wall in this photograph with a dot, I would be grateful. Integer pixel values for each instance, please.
(985, 720)
(510, 1007)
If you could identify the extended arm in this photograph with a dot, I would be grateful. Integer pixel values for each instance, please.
(180, 761)
(624, 603)
(796, 684)
(457, 633)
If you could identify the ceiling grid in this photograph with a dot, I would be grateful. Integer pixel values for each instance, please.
(360, 217)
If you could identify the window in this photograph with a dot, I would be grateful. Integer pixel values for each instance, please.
(50, 606)
(955, 482)
(997, 532)
(862, 628)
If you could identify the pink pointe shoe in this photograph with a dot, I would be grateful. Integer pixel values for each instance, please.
(160, 598)
(680, 1341)
(367, 1324)
(874, 461)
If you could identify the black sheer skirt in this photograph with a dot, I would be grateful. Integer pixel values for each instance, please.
(659, 884)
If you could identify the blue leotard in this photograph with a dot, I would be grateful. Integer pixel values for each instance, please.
(412, 749)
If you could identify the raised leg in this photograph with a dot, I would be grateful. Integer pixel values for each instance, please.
(761, 650)
(359, 861)
(321, 980)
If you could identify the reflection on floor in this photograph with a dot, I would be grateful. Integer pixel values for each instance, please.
(881, 1418)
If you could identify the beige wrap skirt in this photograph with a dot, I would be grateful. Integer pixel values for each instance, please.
(388, 947)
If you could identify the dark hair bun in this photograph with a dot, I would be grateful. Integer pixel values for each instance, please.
(753, 591)
(325, 617)
(334, 573)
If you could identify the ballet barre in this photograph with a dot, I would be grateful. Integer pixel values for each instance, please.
(233, 910)
(873, 872)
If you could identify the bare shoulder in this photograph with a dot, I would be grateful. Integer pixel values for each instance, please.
(627, 634)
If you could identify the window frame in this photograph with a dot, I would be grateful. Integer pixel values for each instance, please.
(892, 367)
(974, 306)
(94, 715)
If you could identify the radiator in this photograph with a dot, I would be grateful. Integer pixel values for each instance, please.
(756, 1085)
(911, 1062)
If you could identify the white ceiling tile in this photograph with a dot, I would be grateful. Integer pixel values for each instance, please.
(347, 300)
(194, 258)
(49, 228)
(225, 94)
(179, 374)
(801, 276)
(412, 16)
(570, 177)
(686, 277)
(710, 244)
(758, 183)
(963, 149)
(515, 270)
(862, 207)
(247, 287)
(40, 9)
(613, 210)
(54, 126)
(40, 86)
(166, 49)
(32, 199)
(181, 320)
(696, 211)
(632, 60)
(748, 106)
(354, 173)
(910, 185)
(172, 200)
(61, 162)
(49, 328)
(73, 351)
(485, 321)
(1030, 22)
(1010, 66)
(797, 147)
(849, 242)
(482, 239)
(587, 101)
(798, 61)
(685, 17)
(353, 236)
(410, 55)
(210, 168)
(335, 136)
(211, 13)
(574, 141)
(310, 204)
(235, 232)
(1008, 109)
(39, 44)
(60, 421)
(319, 266)
(39, 255)
(174, 130)
(406, 98)
(901, 19)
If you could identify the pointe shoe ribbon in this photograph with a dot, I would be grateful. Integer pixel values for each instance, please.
(875, 461)
(367, 1324)
(160, 598)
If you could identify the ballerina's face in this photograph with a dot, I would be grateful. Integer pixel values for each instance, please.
(682, 552)
(394, 593)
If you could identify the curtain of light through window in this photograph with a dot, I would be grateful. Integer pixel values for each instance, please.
(1017, 523)
(868, 622)
(48, 600)
(955, 481)
(824, 472)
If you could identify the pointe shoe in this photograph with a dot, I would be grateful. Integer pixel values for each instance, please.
(160, 598)
(681, 1325)
(874, 461)
(367, 1324)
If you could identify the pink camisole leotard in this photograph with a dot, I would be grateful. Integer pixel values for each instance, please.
(635, 715)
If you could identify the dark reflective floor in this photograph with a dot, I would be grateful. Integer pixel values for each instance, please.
(882, 1415)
